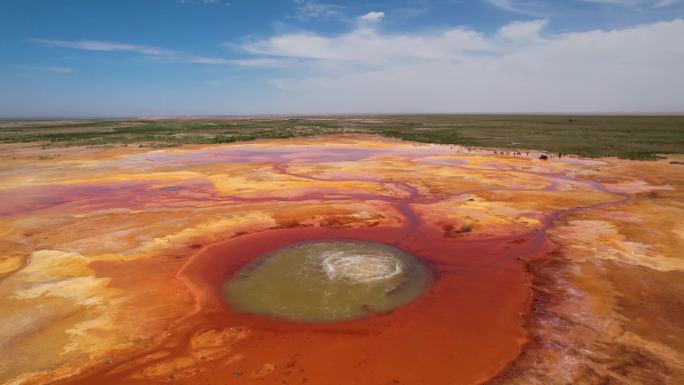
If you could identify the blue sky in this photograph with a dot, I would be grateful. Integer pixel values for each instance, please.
(179, 57)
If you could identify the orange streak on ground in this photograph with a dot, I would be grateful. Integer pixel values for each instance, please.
(465, 329)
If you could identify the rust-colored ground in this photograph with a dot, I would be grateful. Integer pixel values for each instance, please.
(565, 271)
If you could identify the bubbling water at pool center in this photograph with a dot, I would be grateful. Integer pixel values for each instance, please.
(327, 281)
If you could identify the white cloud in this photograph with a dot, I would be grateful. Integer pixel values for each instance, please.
(520, 68)
(637, 3)
(93, 45)
(525, 30)
(624, 3)
(529, 7)
(504, 4)
(666, 3)
(366, 46)
(53, 69)
(372, 16)
(205, 60)
(542, 8)
(310, 9)
(265, 62)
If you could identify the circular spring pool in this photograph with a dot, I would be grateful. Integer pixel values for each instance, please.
(327, 281)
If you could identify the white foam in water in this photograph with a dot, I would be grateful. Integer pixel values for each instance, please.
(355, 267)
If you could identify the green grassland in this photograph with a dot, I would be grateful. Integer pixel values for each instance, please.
(632, 137)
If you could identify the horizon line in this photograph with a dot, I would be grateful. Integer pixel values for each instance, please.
(323, 114)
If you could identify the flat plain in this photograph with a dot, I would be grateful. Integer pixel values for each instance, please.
(630, 137)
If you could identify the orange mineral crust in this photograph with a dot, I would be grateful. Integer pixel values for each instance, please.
(565, 271)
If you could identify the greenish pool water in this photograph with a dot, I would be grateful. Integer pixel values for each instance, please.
(327, 281)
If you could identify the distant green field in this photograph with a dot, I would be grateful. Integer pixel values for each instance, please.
(632, 137)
